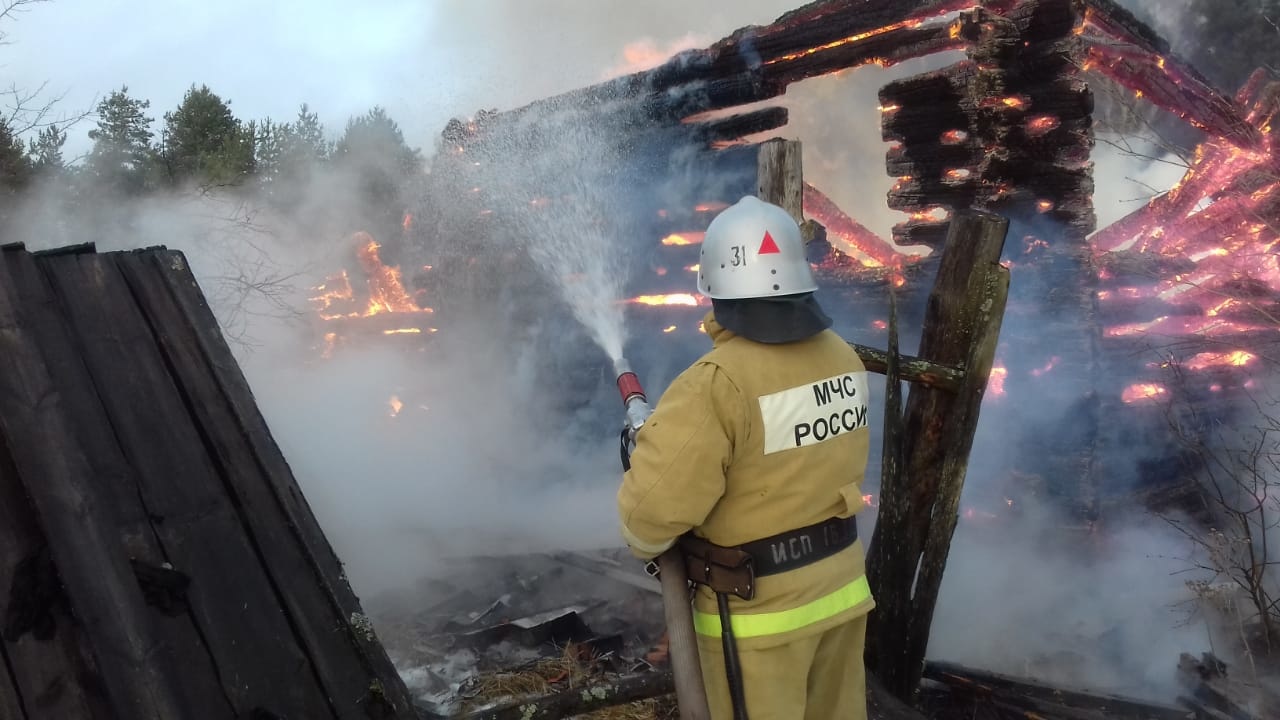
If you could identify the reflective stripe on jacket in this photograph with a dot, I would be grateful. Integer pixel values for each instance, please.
(751, 441)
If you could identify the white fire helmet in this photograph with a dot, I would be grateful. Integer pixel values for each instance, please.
(753, 249)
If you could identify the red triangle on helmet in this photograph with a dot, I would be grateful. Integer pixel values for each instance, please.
(768, 246)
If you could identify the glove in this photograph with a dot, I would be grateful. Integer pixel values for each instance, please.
(627, 443)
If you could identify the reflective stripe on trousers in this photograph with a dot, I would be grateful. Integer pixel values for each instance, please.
(774, 623)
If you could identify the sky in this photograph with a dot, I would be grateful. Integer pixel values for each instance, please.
(427, 61)
(424, 60)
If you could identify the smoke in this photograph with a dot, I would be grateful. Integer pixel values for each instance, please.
(1035, 597)
(498, 446)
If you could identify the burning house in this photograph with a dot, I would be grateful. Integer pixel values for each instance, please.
(621, 179)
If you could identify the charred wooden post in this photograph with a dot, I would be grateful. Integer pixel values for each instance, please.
(780, 176)
(157, 558)
(919, 508)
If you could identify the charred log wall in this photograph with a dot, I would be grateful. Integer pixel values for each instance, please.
(1010, 130)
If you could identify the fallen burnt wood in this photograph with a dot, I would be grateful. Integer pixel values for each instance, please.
(190, 578)
(1208, 688)
(642, 685)
(579, 700)
(1046, 701)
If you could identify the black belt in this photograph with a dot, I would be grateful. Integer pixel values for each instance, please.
(797, 548)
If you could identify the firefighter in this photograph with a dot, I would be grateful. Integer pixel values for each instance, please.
(758, 451)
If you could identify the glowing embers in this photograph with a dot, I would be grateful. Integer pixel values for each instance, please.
(954, 137)
(848, 40)
(685, 299)
(995, 383)
(684, 238)
(1011, 102)
(935, 214)
(1041, 125)
(1048, 366)
(957, 175)
(1144, 392)
(1204, 361)
(1181, 326)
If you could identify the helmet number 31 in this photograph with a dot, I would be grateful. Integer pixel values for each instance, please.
(739, 256)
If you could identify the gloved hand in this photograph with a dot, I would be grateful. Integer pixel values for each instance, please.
(627, 444)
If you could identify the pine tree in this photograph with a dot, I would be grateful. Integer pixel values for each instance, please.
(286, 155)
(46, 150)
(15, 166)
(205, 142)
(381, 163)
(122, 157)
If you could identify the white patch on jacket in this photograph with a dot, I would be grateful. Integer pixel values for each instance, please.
(815, 412)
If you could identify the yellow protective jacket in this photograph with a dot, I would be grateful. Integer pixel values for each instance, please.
(751, 441)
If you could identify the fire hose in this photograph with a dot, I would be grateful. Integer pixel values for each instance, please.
(686, 668)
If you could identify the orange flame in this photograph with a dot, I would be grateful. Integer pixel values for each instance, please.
(954, 137)
(1142, 392)
(995, 383)
(1239, 358)
(669, 329)
(396, 405)
(848, 40)
(710, 207)
(672, 299)
(684, 238)
(386, 291)
(1042, 125)
(1053, 361)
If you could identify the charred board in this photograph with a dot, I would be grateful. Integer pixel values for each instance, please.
(160, 560)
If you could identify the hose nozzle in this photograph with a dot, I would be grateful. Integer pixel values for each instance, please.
(633, 397)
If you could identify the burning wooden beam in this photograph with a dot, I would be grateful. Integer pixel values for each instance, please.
(1121, 48)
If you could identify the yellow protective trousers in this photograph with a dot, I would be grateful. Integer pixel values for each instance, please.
(818, 677)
